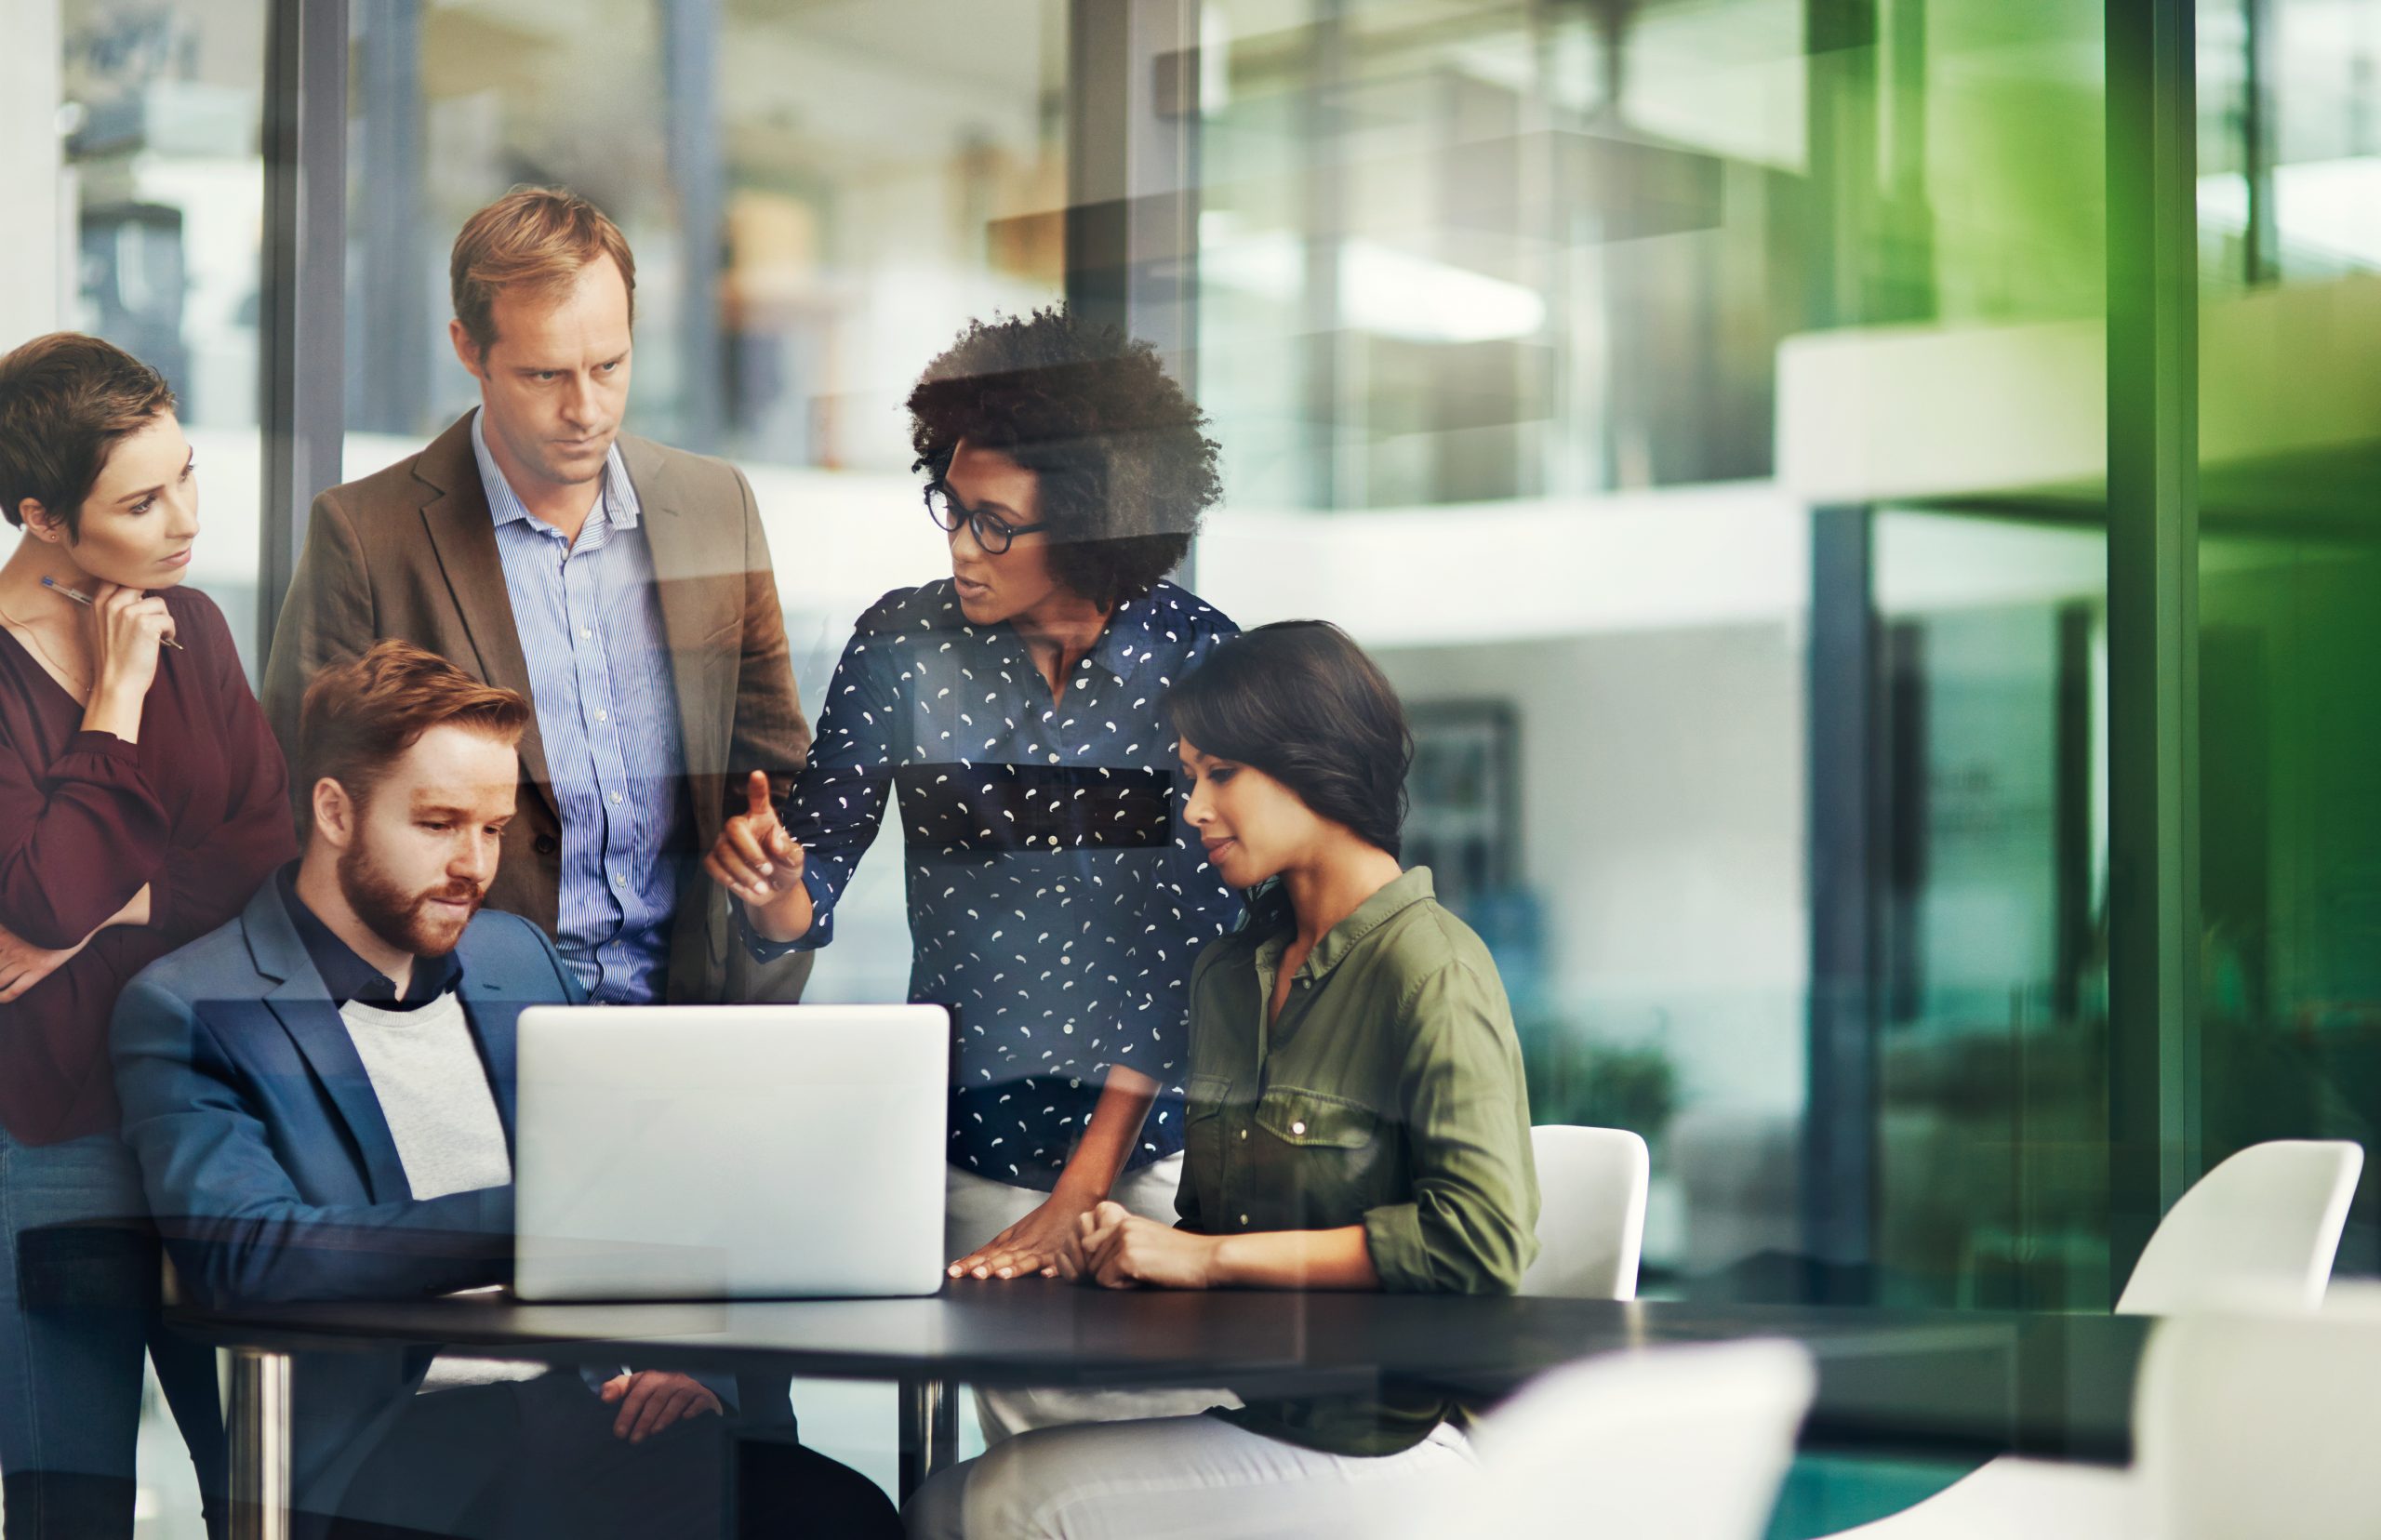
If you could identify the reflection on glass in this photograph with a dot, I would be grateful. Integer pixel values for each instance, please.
(162, 106)
(1534, 337)
(2290, 840)
(818, 199)
(1993, 939)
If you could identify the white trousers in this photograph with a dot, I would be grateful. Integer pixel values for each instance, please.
(1195, 1477)
(975, 1209)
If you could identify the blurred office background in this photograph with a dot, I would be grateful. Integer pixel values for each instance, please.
(1701, 407)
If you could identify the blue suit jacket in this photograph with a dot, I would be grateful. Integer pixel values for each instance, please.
(270, 1165)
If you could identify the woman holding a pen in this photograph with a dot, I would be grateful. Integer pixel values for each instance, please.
(142, 801)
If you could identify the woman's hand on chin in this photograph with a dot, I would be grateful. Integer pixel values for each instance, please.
(1122, 1250)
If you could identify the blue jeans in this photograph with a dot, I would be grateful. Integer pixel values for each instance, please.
(76, 1312)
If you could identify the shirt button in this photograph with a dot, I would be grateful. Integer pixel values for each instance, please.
(615, 799)
(602, 716)
(1244, 1133)
(1243, 1219)
(1054, 759)
(620, 882)
(586, 635)
(1297, 1128)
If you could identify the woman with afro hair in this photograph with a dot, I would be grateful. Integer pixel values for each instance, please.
(1015, 706)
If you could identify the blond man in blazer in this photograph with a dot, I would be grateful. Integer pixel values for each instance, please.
(622, 586)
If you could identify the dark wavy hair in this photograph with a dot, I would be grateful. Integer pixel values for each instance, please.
(1300, 701)
(1125, 465)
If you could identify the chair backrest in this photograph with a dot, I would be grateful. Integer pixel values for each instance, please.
(1682, 1443)
(2251, 1427)
(1591, 1212)
(2265, 1223)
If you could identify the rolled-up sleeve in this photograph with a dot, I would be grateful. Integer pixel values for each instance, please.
(1470, 1226)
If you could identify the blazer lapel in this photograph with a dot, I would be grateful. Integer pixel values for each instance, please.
(463, 536)
(304, 1009)
(700, 608)
(492, 1010)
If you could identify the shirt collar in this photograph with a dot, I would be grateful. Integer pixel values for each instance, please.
(1127, 640)
(348, 977)
(1131, 634)
(616, 505)
(1394, 897)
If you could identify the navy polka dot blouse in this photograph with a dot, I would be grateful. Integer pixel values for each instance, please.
(1057, 901)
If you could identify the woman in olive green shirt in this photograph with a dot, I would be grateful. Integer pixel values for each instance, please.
(1356, 1121)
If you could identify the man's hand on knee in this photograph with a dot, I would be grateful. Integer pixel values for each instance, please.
(651, 1400)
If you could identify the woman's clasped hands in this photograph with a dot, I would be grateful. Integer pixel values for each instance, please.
(1120, 1250)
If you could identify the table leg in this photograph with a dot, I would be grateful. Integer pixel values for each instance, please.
(259, 1444)
(929, 1432)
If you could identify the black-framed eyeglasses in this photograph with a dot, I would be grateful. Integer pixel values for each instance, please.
(993, 532)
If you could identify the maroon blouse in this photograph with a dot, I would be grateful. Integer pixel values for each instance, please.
(198, 810)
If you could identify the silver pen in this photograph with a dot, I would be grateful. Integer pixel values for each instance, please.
(85, 600)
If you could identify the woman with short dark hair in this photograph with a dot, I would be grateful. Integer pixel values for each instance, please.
(142, 801)
(1357, 1119)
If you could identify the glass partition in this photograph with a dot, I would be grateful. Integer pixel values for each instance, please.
(161, 181)
(1541, 341)
(1648, 293)
(2290, 564)
(818, 201)
(134, 186)
(1698, 406)
(817, 198)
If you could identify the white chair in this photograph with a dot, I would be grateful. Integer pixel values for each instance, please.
(2263, 1227)
(1591, 1212)
(1666, 1444)
(2267, 1221)
(2248, 1428)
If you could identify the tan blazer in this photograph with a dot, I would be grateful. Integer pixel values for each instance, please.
(411, 552)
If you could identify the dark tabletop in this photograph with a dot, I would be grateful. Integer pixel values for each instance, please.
(1963, 1381)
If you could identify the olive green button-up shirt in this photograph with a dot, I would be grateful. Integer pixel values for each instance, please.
(1388, 1093)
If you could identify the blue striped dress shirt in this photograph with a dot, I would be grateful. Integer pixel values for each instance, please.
(589, 623)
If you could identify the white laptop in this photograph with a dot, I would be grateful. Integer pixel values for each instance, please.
(729, 1151)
